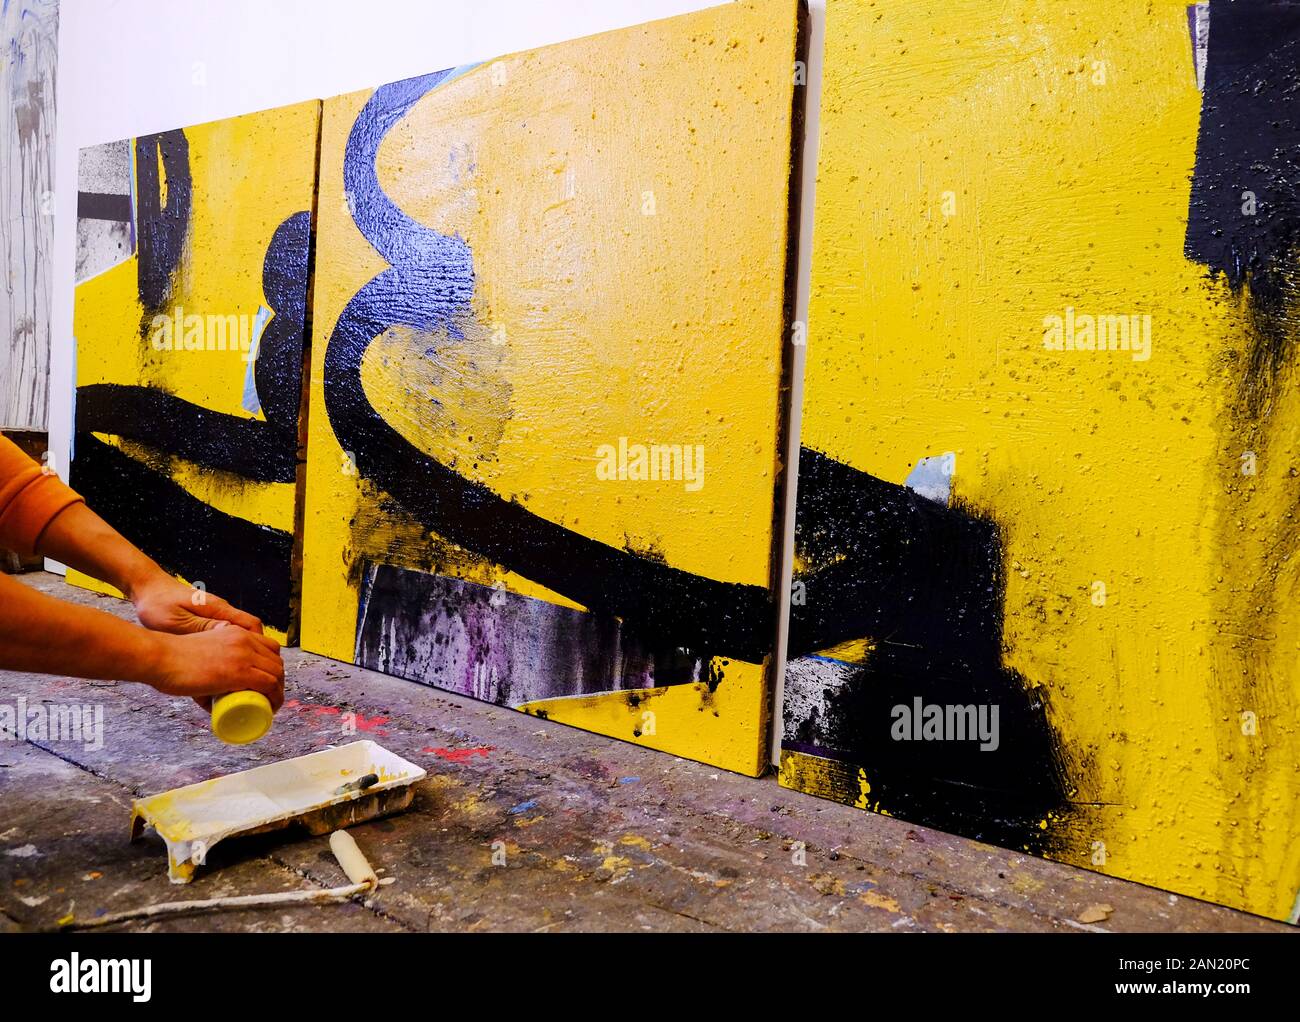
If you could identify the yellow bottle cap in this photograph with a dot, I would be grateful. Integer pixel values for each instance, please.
(239, 718)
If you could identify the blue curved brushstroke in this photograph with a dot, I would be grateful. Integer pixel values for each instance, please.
(406, 244)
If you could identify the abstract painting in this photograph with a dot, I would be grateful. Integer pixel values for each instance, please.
(193, 251)
(549, 307)
(1045, 587)
(29, 36)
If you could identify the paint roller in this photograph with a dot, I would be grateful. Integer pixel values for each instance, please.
(350, 857)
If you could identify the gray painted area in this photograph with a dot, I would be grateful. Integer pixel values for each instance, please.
(103, 170)
(29, 37)
(1198, 18)
(499, 646)
(810, 682)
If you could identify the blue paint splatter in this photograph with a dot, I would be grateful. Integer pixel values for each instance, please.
(932, 478)
(251, 402)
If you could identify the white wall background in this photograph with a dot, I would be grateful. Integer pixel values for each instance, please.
(129, 67)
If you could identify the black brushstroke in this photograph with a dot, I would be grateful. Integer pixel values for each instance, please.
(101, 206)
(245, 563)
(215, 440)
(656, 599)
(278, 369)
(883, 561)
(429, 287)
(1249, 141)
(162, 228)
(248, 564)
(262, 451)
(924, 582)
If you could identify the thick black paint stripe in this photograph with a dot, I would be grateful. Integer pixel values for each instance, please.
(925, 583)
(1244, 215)
(163, 230)
(247, 564)
(102, 206)
(659, 602)
(1249, 141)
(256, 450)
(1010, 796)
(857, 720)
(279, 367)
(953, 806)
(884, 561)
(999, 794)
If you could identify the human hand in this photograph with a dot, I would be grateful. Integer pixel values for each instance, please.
(165, 604)
(222, 658)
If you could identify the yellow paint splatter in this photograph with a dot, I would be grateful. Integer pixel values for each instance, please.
(877, 900)
(864, 790)
(617, 866)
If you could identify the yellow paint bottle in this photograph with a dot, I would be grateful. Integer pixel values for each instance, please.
(240, 718)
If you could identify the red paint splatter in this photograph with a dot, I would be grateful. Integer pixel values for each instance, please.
(363, 723)
(372, 724)
(459, 755)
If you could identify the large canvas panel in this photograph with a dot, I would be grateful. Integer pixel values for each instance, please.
(1051, 433)
(191, 319)
(530, 272)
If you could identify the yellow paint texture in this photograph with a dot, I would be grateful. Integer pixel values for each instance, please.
(983, 167)
(678, 719)
(625, 201)
(248, 175)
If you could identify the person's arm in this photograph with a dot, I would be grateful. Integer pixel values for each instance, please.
(40, 633)
(80, 538)
(40, 515)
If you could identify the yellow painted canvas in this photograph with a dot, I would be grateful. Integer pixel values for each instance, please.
(546, 385)
(193, 253)
(1045, 586)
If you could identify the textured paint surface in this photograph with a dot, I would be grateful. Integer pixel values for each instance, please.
(525, 260)
(28, 54)
(208, 228)
(1119, 527)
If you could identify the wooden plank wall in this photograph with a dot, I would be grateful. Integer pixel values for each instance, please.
(28, 53)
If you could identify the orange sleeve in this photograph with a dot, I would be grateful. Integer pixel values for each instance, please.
(29, 499)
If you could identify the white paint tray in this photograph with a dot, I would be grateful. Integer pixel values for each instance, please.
(297, 792)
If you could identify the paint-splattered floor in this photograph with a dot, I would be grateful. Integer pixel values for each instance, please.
(597, 834)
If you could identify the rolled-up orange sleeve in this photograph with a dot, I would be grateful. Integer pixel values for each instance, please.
(29, 499)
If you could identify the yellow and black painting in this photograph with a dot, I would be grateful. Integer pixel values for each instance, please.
(1046, 544)
(547, 379)
(193, 251)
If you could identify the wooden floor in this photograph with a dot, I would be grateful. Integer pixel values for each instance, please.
(598, 834)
